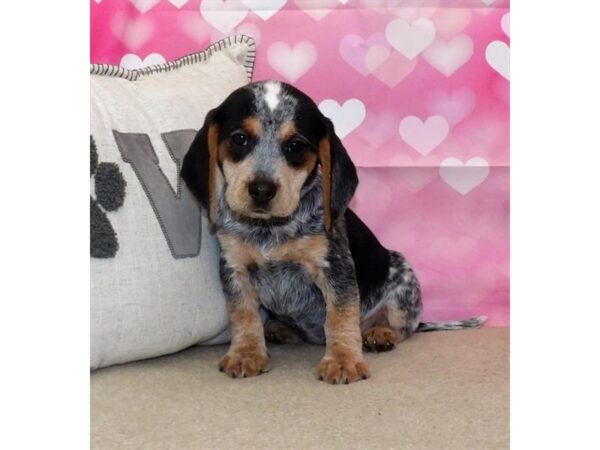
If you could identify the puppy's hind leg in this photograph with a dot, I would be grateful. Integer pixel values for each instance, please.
(387, 330)
(396, 317)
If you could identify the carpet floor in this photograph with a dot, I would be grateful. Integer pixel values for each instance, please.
(441, 390)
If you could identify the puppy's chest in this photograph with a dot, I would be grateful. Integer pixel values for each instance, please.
(281, 274)
(309, 252)
(285, 288)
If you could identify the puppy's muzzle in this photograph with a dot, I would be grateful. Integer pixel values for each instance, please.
(262, 192)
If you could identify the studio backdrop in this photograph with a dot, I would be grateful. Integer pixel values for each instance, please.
(418, 91)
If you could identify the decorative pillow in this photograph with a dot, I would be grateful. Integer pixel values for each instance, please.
(155, 286)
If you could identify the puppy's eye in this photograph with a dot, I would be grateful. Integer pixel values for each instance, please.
(239, 139)
(296, 146)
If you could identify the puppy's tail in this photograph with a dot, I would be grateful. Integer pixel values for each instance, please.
(475, 322)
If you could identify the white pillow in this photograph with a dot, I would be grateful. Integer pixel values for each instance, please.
(155, 285)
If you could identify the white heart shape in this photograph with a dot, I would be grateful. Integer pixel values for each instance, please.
(178, 3)
(505, 24)
(292, 63)
(317, 9)
(132, 61)
(410, 39)
(497, 54)
(424, 136)
(224, 15)
(449, 56)
(264, 8)
(346, 117)
(488, 2)
(144, 6)
(343, 2)
(464, 177)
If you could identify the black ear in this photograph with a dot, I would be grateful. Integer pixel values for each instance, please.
(199, 169)
(339, 175)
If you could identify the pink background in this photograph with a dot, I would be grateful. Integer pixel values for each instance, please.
(427, 124)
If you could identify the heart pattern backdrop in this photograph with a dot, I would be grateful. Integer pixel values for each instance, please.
(418, 91)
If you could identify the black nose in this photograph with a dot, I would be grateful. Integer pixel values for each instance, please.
(262, 191)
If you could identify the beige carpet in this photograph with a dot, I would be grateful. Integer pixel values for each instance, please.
(442, 390)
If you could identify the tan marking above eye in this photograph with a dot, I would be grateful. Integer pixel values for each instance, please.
(287, 130)
(253, 126)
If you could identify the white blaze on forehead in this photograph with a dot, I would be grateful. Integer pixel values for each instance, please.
(272, 91)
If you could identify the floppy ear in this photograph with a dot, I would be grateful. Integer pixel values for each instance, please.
(339, 176)
(199, 169)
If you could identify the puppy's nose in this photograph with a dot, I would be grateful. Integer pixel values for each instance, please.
(262, 191)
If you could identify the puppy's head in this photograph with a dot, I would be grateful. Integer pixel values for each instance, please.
(260, 147)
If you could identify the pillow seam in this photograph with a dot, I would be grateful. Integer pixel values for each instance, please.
(114, 71)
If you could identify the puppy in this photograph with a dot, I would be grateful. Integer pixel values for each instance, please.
(275, 181)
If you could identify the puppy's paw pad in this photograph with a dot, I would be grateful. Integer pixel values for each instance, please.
(342, 370)
(380, 339)
(242, 365)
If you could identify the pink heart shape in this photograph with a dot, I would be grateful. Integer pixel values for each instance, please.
(412, 9)
(410, 38)
(193, 26)
(415, 173)
(449, 56)
(451, 21)
(353, 50)
(133, 33)
(376, 56)
(143, 6)
(394, 69)
(487, 8)
(377, 129)
(292, 62)
(463, 177)
(317, 9)
(426, 135)
(454, 106)
(223, 15)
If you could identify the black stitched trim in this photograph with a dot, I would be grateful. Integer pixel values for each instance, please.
(194, 58)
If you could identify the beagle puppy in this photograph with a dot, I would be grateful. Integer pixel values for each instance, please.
(275, 182)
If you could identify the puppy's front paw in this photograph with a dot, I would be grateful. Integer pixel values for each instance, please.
(242, 364)
(342, 368)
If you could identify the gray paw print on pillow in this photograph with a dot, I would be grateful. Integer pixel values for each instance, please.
(109, 186)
